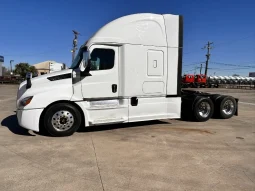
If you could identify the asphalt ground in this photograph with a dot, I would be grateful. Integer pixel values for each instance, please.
(157, 155)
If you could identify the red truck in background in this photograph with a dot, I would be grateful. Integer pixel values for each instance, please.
(200, 80)
(188, 80)
(191, 80)
(194, 81)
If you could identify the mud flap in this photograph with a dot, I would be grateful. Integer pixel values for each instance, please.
(236, 113)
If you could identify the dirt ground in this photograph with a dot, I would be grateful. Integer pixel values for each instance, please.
(157, 155)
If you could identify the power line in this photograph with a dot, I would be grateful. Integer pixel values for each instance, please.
(189, 70)
(251, 62)
(236, 65)
(227, 68)
(190, 64)
(194, 63)
(226, 42)
(195, 68)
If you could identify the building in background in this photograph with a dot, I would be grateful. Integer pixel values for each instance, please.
(49, 67)
(252, 74)
(1, 65)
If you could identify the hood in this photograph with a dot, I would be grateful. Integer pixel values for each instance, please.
(46, 83)
(44, 78)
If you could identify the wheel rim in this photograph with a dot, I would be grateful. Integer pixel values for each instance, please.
(62, 120)
(228, 107)
(204, 109)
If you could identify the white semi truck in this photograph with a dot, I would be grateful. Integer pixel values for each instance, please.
(129, 70)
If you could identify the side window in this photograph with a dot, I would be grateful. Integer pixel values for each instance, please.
(102, 59)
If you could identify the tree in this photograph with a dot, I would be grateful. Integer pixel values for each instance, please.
(33, 70)
(235, 75)
(23, 68)
(6, 72)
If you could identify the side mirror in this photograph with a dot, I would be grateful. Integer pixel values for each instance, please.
(28, 77)
(85, 61)
(83, 66)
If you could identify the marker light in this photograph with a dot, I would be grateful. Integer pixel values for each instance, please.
(26, 101)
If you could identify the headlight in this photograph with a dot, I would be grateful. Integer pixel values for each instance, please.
(26, 101)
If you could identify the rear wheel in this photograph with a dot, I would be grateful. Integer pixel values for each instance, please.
(203, 109)
(226, 107)
(62, 119)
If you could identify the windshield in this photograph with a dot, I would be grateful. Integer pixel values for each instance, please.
(77, 60)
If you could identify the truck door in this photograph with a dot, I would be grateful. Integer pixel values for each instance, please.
(102, 80)
(100, 88)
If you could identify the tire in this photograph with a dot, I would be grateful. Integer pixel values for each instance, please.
(65, 116)
(226, 107)
(215, 97)
(205, 114)
(215, 101)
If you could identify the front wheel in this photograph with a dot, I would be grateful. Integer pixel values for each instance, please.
(62, 119)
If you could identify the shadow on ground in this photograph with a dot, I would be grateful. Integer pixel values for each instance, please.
(11, 122)
(109, 127)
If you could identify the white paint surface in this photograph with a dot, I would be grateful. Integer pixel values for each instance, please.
(246, 103)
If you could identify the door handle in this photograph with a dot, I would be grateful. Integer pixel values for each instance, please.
(134, 101)
(114, 88)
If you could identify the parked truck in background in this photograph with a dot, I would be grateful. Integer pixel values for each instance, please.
(194, 81)
(129, 70)
(188, 80)
(200, 80)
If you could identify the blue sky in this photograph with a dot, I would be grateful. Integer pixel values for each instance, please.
(35, 31)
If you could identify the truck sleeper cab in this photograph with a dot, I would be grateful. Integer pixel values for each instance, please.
(129, 70)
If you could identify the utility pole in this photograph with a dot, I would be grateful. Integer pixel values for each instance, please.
(201, 68)
(11, 65)
(75, 41)
(208, 47)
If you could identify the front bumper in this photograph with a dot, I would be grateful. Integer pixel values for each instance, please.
(29, 119)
